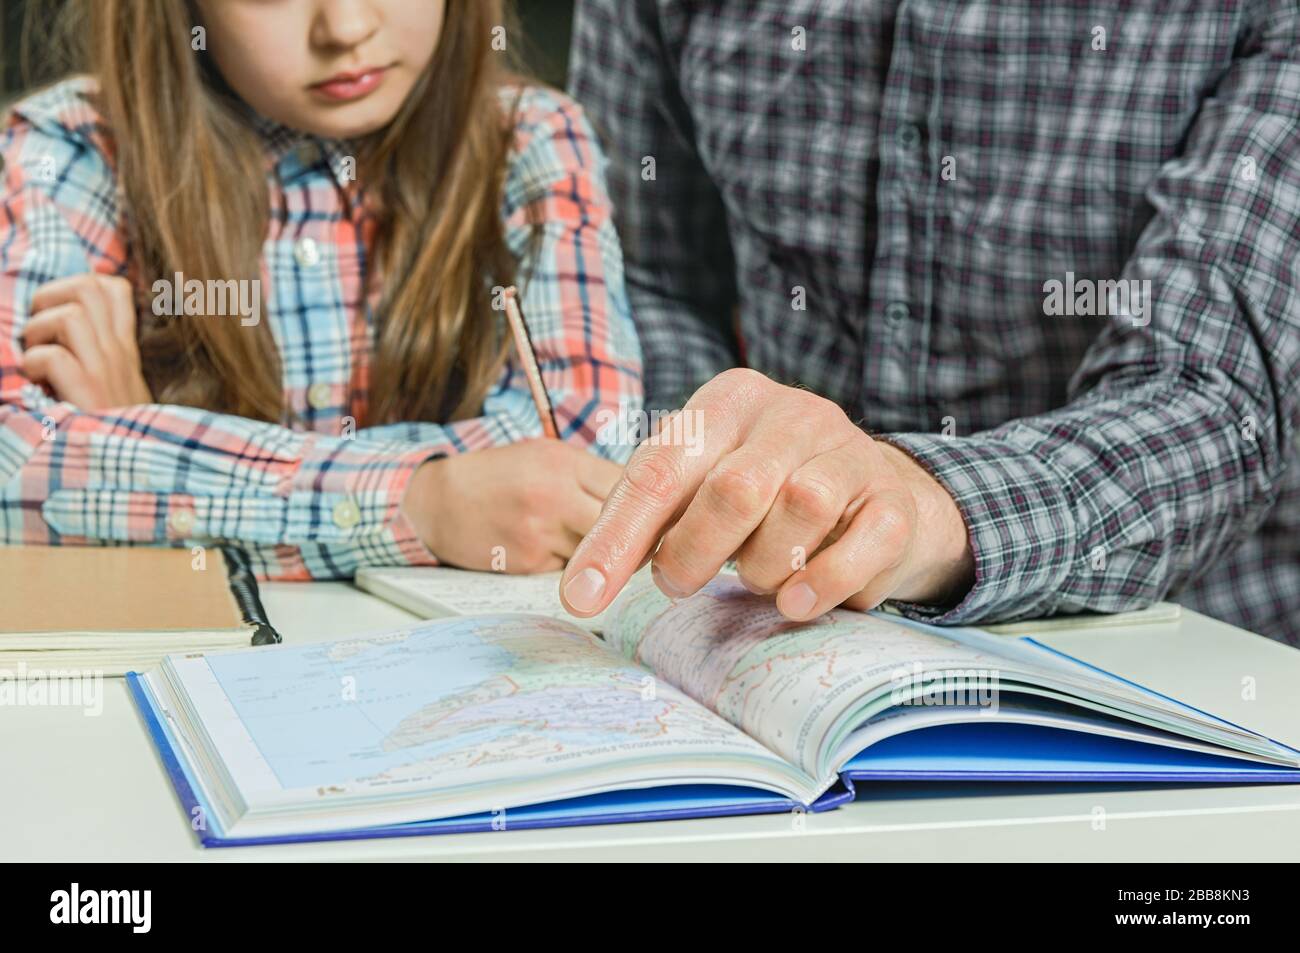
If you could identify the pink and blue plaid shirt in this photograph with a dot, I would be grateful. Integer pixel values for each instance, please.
(318, 499)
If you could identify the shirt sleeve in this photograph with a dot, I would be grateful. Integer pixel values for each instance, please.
(1184, 412)
(680, 268)
(305, 505)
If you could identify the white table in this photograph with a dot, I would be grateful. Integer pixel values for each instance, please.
(79, 788)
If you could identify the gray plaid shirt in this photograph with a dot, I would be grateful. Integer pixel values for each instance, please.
(1051, 247)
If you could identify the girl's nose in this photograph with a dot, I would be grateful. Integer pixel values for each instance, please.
(345, 24)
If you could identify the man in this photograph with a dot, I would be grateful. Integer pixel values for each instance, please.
(1017, 280)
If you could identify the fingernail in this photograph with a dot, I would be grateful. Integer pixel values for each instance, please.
(585, 589)
(666, 585)
(798, 601)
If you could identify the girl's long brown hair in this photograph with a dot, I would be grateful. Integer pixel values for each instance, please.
(193, 180)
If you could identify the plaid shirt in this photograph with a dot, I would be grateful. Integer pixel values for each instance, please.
(323, 498)
(881, 194)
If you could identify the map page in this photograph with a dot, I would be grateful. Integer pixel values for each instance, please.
(788, 684)
(484, 712)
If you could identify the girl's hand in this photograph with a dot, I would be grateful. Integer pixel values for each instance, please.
(80, 343)
(521, 508)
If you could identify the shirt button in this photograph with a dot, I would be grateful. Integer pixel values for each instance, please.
(181, 521)
(896, 312)
(346, 514)
(908, 135)
(307, 252)
(320, 395)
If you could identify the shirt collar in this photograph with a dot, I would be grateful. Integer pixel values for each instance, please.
(293, 154)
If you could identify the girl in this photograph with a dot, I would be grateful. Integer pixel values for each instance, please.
(248, 270)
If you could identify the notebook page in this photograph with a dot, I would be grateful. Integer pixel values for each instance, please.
(432, 591)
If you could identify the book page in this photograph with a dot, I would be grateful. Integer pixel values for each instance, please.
(438, 590)
(787, 684)
(463, 714)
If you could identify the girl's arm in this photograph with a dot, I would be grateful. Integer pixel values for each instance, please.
(304, 504)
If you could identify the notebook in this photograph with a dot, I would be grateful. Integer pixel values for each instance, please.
(122, 608)
(434, 591)
(711, 705)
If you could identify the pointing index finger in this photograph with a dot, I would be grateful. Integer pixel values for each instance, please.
(647, 498)
(660, 480)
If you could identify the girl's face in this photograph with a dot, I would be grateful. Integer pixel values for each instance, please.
(333, 68)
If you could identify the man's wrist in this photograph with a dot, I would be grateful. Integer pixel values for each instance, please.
(943, 561)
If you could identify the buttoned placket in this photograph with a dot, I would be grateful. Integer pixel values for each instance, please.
(305, 161)
(906, 199)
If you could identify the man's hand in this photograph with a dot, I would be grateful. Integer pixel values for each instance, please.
(811, 507)
(80, 342)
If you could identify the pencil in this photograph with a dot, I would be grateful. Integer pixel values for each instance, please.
(528, 360)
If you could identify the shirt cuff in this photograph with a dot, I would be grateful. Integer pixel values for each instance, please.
(1020, 522)
(350, 494)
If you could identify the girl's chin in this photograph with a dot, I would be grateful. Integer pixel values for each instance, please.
(347, 120)
(335, 127)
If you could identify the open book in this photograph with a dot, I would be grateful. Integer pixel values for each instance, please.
(711, 705)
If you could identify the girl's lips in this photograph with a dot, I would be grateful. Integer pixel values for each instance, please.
(349, 86)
